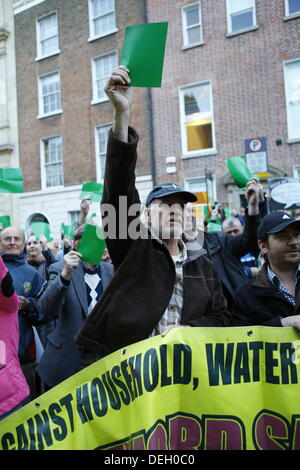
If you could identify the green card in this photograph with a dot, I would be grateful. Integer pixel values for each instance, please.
(67, 230)
(92, 190)
(239, 171)
(41, 228)
(11, 180)
(143, 53)
(92, 244)
(4, 221)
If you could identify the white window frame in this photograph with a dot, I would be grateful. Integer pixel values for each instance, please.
(229, 24)
(195, 153)
(92, 35)
(38, 37)
(287, 11)
(95, 99)
(99, 174)
(291, 139)
(42, 114)
(43, 165)
(296, 171)
(186, 44)
(75, 215)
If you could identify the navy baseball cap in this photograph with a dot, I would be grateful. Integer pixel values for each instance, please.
(274, 223)
(166, 189)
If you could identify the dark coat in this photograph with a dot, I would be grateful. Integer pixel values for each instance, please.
(257, 302)
(68, 303)
(141, 289)
(30, 284)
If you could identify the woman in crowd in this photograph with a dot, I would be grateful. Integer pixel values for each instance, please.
(13, 386)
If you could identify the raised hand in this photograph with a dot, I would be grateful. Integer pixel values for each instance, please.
(117, 89)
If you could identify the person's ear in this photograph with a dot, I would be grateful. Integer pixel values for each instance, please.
(263, 246)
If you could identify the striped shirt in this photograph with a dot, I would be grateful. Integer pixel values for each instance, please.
(172, 314)
(275, 280)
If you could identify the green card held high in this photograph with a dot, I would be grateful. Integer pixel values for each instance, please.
(11, 180)
(143, 53)
(92, 244)
(41, 228)
(92, 190)
(239, 171)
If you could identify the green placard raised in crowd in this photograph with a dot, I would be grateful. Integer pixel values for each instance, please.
(41, 228)
(239, 171)
(11, 180)
(143, 53)
(92, 244)
(92, 190)
(4, 221)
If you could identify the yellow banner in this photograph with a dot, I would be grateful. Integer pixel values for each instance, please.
(197, 388)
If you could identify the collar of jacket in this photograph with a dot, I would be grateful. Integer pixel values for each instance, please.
(18, 260)
(262, 281)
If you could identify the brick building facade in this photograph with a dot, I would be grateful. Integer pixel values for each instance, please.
(64, 51)
(239, 61)
(230, 75)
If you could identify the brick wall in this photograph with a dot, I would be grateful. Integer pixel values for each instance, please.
(79, 118)
(246, 72)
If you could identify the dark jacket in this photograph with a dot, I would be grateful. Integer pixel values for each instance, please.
(141, 289)
(225, 251)
(68, 303)
(30, 284)
(257, 302)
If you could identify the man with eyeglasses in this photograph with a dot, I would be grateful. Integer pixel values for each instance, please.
(156, 286)
(29, 285)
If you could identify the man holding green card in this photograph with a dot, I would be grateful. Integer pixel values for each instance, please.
(75, 285)
(153, 273)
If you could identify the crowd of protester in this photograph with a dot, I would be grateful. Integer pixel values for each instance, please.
(59, 314)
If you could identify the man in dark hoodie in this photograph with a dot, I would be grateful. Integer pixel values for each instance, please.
(29, 285)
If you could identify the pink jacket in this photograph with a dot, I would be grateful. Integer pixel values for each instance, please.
(13, 386)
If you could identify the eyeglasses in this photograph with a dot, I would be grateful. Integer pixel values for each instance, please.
(12, 239)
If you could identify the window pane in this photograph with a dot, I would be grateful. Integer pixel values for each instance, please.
(235, 6)
(198, 119)
(53, 150)
(101, 7)
(104, 24)
(293, 98)
(242, 20)
(48, 35)
(51, 93)
(74, 217)
(54, 175)
(49, 45)
(294, 6)
(102, 144)
(103, 67)
(194, 35)
(192, 15)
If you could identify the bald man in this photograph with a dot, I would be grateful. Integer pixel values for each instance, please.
(29, 285)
